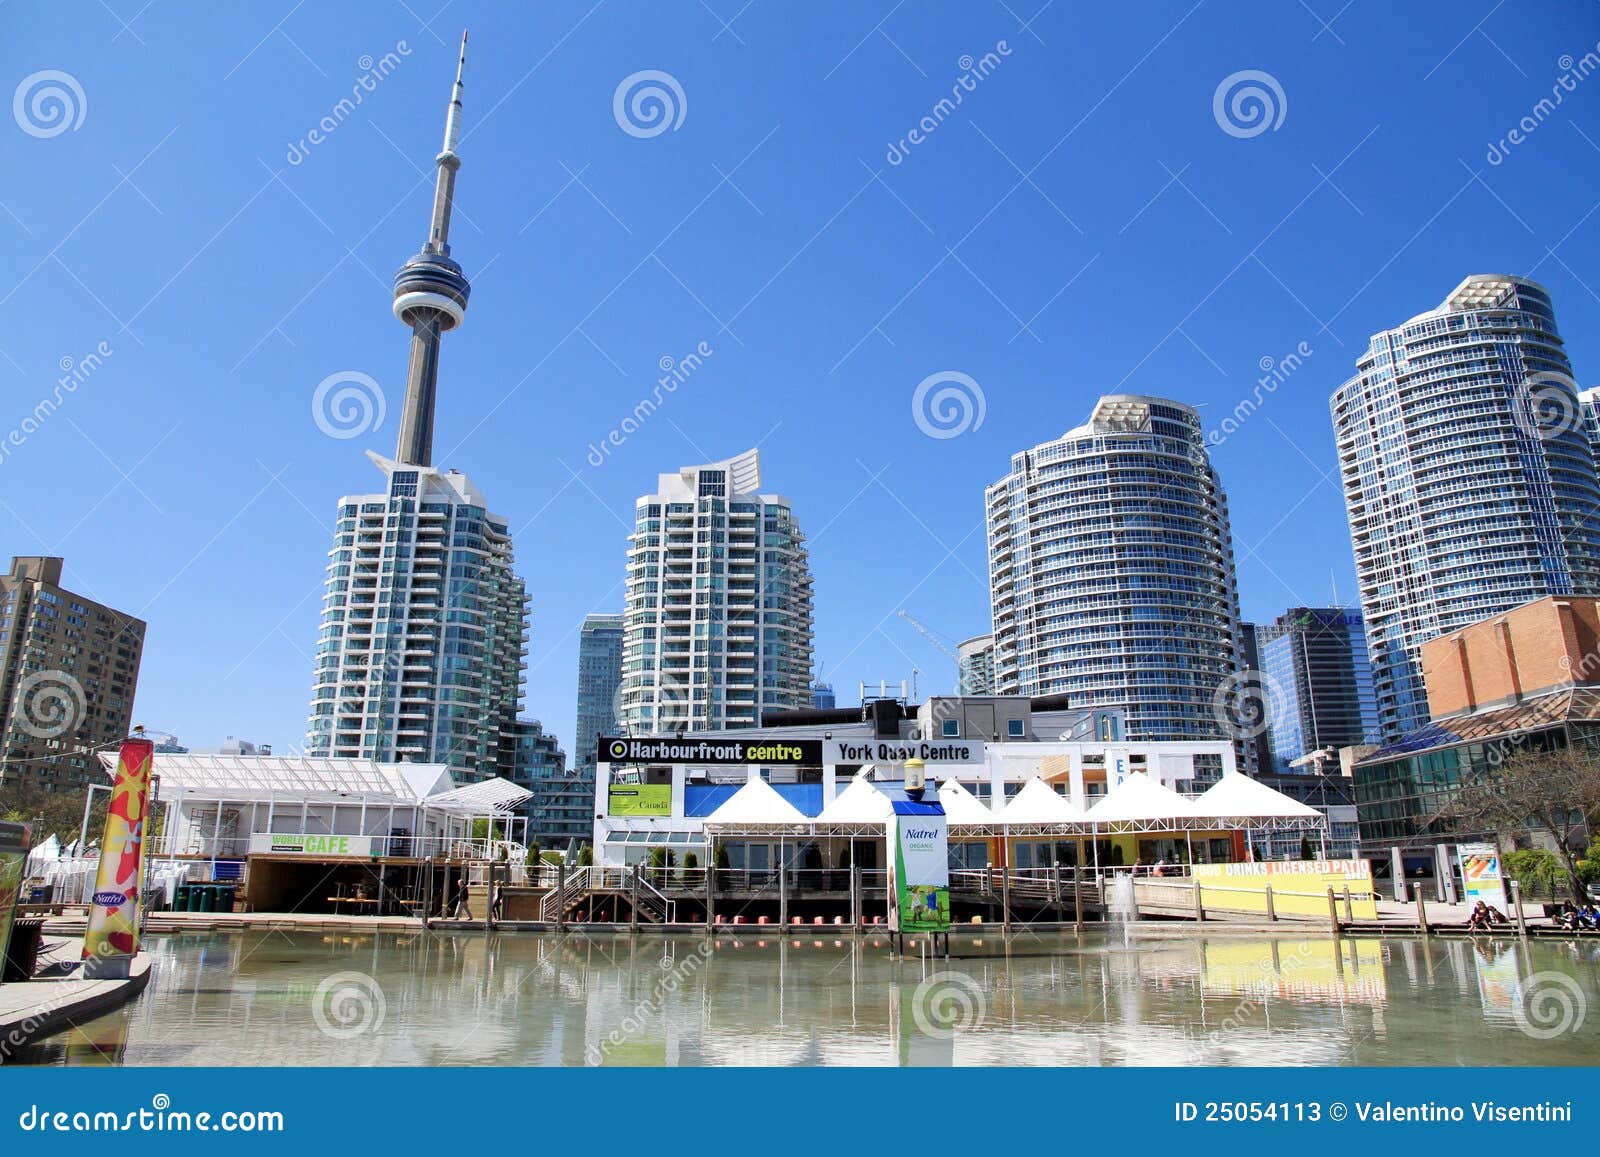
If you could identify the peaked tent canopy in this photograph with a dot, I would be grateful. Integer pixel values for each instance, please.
(756, 808)
(860, 804)
(965, 812)
(1236, 799)
(1140, 803)
(1038, 805)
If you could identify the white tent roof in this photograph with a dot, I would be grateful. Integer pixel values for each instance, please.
(756, 805)
(858, 803)
(1038, 803)
(246, 778)
(1138, 799)
(1238, 797)
(484, 798)
(962, 809)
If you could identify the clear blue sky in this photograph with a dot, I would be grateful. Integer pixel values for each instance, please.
(1146, 250)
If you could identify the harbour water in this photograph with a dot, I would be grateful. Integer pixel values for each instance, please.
(1162, 998)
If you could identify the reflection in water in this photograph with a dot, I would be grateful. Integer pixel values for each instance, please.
(330, 998)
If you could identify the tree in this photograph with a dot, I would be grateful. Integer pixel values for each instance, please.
(1554, 792)
(23, 801)
(585, 856)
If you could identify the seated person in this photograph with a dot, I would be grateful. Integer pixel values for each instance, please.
(1479, 917)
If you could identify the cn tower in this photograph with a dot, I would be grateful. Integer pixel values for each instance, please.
(430, 295)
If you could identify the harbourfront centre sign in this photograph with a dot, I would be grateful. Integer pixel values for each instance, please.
(705, 752)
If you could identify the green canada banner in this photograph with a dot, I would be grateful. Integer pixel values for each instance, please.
(922, 873)
(639, 799)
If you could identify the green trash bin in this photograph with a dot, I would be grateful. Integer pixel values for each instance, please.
(208, 898)
(180, 898)
(225, 893)
(194, 897)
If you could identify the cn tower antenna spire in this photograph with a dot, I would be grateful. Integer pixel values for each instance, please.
(430, 293)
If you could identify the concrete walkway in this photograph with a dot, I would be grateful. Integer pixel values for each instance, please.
(40, 1007)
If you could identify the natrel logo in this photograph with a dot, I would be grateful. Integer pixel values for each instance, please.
(109, 899)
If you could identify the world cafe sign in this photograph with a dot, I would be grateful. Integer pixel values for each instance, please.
(889, 751)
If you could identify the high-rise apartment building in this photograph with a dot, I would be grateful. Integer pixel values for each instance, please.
(424, 619)
(1468, 477)
(1315, 662)
(561, 811)
(1111, 571)
(69, 667)
(975, 665)
(599, 680)
(718, 616)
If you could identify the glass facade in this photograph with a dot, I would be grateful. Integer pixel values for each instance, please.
(1468, 477)
(1111, 571)
(561, 812)
(1402, 788)
(1319, 683)
(599, 679)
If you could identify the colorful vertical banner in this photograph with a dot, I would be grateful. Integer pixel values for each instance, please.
(14, 842)
(112, 938)
(920, 890)
(1480, 874)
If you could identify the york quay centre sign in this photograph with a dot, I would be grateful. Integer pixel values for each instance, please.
(837, 751)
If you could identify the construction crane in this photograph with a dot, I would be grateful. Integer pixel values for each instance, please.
(932, 636)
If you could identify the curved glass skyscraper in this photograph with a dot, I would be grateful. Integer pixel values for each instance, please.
(1468, 477)
(1111, 571)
